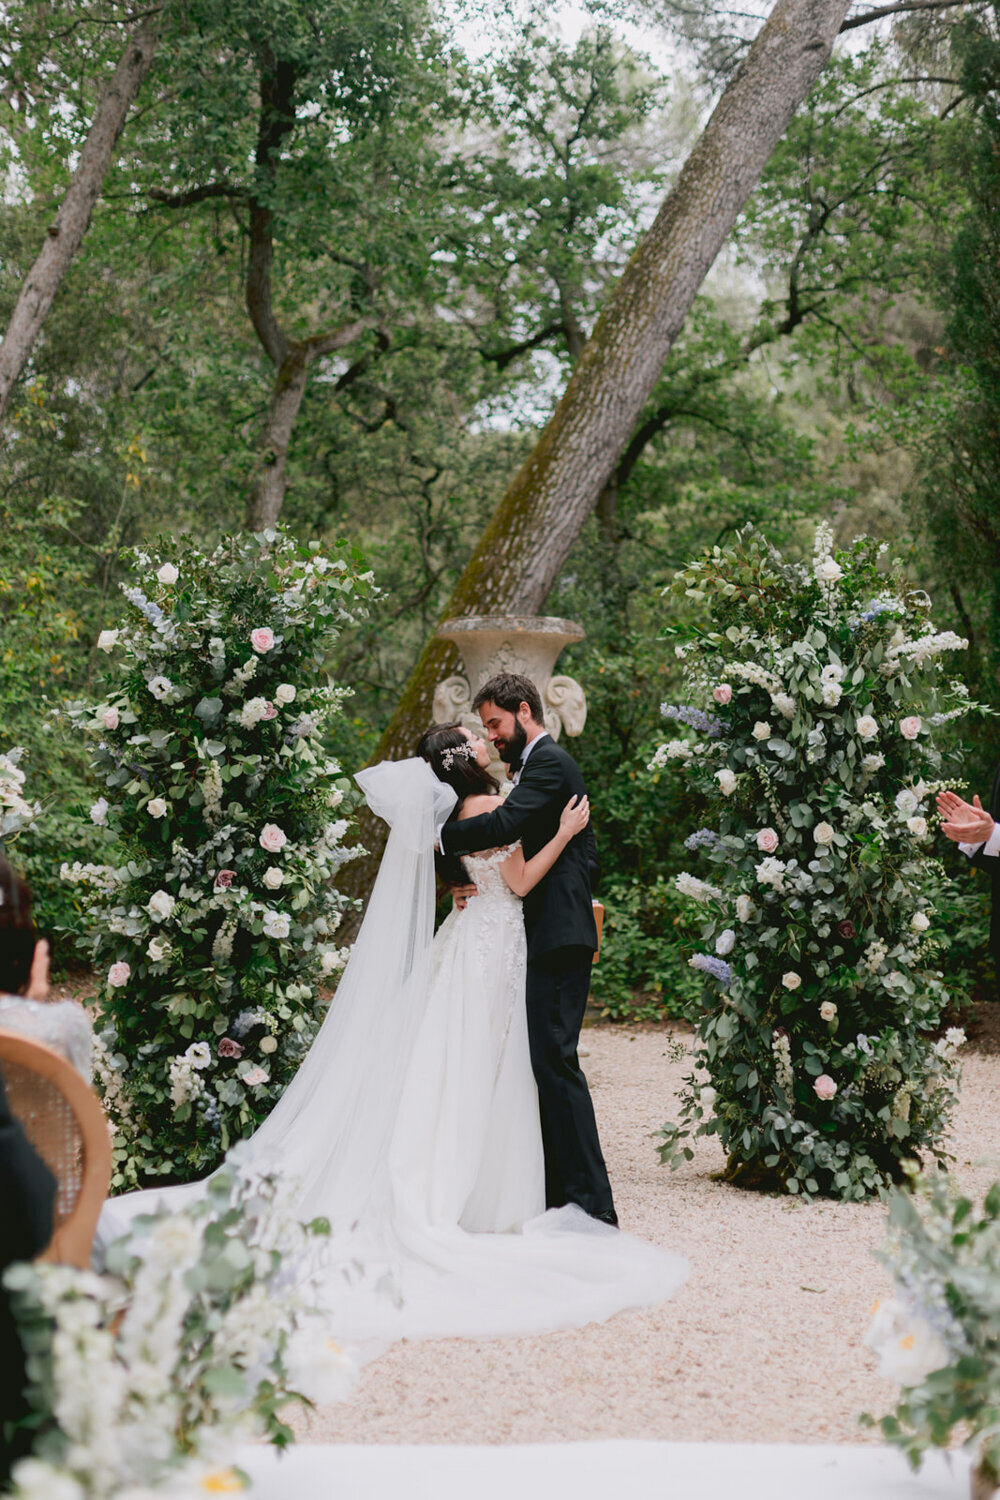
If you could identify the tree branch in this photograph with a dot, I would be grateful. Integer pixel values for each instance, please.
(336, 338)
(503, 357)
(866, 17)
(197, 194)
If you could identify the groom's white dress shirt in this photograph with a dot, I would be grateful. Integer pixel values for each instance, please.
(526, 752)
(991, 846)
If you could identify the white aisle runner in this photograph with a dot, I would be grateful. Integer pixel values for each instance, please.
(600, 1471)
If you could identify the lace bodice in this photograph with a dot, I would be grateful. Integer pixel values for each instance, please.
(484, 872)
(60, 1024)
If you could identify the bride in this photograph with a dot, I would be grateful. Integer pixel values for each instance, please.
(412, 1125)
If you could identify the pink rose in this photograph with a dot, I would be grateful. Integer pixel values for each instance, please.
(272, 838)
(825, 1086)
(911, 727)
(110, 718)
(262, 639)
(767, 840)
(270, 712)
(722, 693)
(229, 1048)
(118, 975)
(224, 879)
(255, 1077)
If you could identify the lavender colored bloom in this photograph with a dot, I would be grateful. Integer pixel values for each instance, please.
(717, 967)
(697, 718)
(705, 838)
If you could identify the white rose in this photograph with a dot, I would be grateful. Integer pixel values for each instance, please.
(727, 781)
(910, 727)
(272, 838)
(335, 798)
(823, 834)
(273, 878)
(827, 570)
(167, 574)
(157, 808)
(918, 827)
(744, 908)
(161, 906)
(157, 950)
(761, 731)
(268, 1044)
(867, 727)
(276, 924)
(707, 1097)
(725, 942)
(99, 812)
(828, 1011)
(906, 802)
(920, 921)
(107, 640)
(791, 980)
(284, 693)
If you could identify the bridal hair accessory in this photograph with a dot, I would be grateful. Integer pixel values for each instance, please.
(465, 751)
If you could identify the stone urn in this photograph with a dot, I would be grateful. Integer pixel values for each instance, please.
(528, 644)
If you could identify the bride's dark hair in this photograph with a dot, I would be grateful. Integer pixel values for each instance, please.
(447, 750)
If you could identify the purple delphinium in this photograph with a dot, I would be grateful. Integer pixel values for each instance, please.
(705, 838)
(717, 967)
(697, 718)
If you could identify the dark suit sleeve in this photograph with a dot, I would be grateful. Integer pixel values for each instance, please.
(540, 781)
(593, 858)
(27, 1192)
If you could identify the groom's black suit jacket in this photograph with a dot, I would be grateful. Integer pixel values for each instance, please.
(559, 912)
(991, 864)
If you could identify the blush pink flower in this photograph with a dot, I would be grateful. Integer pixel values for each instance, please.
(255, 1077)
(825, 1086)
(272, 838)
(224, 879)
(229, 1048)
(270, 712)
(767, 840)
(262, 639)
(110, 718)
(909, 728)
(119, 975)
(723, 693)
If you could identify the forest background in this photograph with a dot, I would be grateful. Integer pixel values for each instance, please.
(343, 263)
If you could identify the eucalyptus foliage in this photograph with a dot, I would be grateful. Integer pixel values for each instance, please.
(213, 933)
(939, 1336)
(198, 1335)
(824, 686)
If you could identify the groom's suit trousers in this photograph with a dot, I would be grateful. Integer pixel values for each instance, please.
(557, 986)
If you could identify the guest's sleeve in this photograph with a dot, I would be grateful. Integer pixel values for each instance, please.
(593, 858)
(540, 782)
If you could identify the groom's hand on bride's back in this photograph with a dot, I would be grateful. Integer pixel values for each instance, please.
(461, 895)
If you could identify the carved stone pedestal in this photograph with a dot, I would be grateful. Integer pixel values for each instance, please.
(528, 644)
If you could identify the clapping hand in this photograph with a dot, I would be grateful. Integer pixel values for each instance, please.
(38, 979)
(575, 816)
(963, 822)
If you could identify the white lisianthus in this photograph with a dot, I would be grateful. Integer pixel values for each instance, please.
(273, 877)
(906, 802)
(918, 827)
(276, 924)
(160, 687)
(107, 640)
(99, 812)
(284, 693)
(771, 872)
(761, 730)
(157, 807)
(791, 980)
(744, 908)
(920, 921)
(199, 1055)
(161, 906)
(167, 574)
(725, 942)
(828, 1011)
(823, 834)
(867, 727)
(727, 781)
(785, 704)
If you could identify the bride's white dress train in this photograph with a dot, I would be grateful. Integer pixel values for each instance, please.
(413, 1127)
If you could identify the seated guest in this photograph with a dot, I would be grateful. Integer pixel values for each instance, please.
(24, 980)
(977, 834)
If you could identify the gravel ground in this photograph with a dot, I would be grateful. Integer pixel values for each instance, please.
(762, 1344)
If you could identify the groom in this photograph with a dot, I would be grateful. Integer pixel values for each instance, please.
(977, 834)
(559, 922)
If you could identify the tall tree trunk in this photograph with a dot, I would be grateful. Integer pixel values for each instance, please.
(541, 515)
(268, 493)
(70, 224)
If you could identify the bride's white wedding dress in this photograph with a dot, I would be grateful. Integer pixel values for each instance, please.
(413, 1126)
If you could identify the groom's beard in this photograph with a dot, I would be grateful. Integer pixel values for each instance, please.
(510, 750)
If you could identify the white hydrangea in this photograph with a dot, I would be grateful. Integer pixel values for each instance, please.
(771, 872)
(785, 704)
(253, 712)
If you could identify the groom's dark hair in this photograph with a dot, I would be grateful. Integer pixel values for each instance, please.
(508, 690)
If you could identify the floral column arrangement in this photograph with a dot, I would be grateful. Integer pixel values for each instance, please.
(215, 927)
(815, 692)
